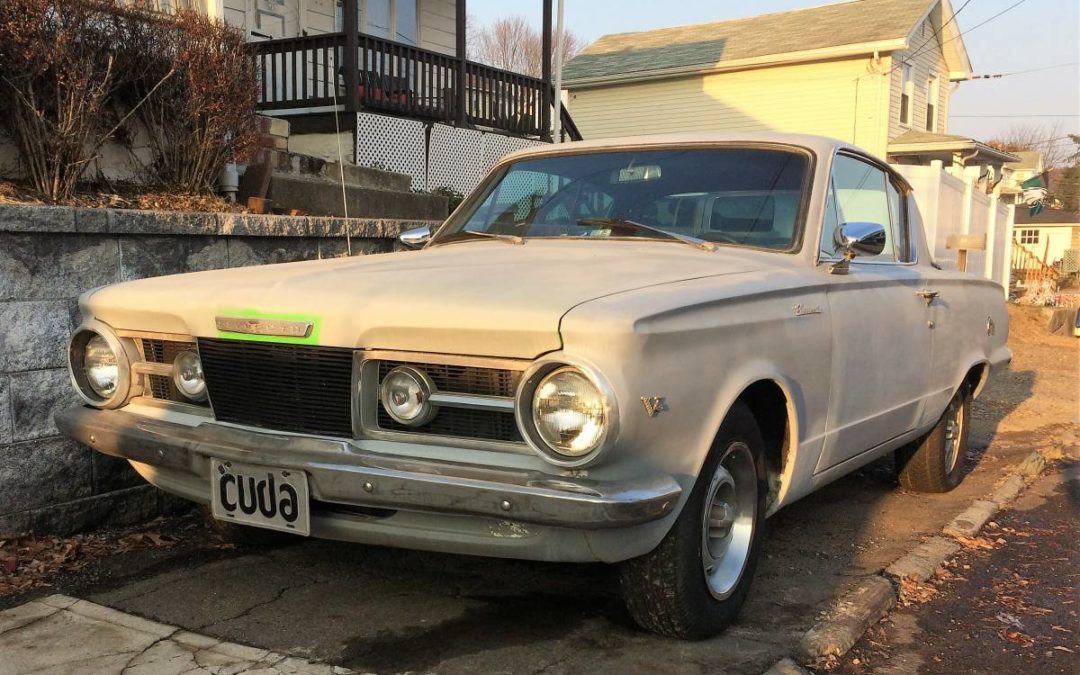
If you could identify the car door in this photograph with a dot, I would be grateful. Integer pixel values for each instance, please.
(881, 338)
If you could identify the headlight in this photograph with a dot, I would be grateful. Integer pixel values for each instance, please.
(188, 376)
(101, 366)
(570, 413)
(406, 394)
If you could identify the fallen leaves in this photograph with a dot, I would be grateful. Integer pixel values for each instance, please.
(126, 197)
(34, 561)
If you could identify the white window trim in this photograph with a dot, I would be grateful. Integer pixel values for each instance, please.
(907, 88)
(363, 19)
(933, 98)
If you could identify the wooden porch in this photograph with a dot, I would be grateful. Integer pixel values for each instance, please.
(352, 71)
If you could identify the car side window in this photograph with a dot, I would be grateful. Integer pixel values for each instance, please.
(859, 192)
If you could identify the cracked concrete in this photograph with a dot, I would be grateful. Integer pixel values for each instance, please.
(59, 634)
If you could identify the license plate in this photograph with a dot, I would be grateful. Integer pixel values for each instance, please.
(263, 496)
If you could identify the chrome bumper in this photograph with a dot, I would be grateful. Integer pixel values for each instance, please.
(340, 473)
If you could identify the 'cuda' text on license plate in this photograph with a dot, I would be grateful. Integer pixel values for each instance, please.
(260, 495)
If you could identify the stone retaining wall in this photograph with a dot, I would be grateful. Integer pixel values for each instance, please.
(48, 256)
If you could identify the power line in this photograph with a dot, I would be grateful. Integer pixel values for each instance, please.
(983, 23)
(995, 76)
(937, 30)
(1024, 115)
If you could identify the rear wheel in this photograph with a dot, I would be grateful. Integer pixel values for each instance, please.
(936, 462)
(693, 584)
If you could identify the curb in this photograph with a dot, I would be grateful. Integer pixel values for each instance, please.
(854, 612)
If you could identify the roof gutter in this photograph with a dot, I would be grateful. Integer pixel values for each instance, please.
(786, 58)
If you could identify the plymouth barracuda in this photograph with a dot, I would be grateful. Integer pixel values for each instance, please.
(630, 351)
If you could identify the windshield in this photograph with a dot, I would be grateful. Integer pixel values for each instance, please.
(734, 196)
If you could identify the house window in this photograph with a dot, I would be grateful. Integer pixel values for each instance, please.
(907, 91)
(933, 93)
(390, 19)
(1029, 236)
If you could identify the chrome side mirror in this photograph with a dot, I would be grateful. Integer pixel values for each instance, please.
(416, 237)
(861, 238)
(855, 239)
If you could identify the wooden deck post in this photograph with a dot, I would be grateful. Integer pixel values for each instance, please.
(350, 59)
(546, 94)
(461, 52)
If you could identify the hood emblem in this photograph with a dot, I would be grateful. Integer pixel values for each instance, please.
(654, 405)
(274, 327)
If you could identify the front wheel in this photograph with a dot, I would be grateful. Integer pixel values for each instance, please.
(936, 463)
(693, 584)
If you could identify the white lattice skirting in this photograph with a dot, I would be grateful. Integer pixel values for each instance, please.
(435, 155)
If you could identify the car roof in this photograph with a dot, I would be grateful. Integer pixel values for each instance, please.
(820, 145)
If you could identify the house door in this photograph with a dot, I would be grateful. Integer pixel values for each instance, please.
(274, 19)
(881, 339)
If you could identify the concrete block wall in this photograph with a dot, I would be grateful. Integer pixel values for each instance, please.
(48, 256)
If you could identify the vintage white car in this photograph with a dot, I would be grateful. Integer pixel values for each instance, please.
(630, 351)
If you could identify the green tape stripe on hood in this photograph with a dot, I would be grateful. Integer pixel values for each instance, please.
(312, 339)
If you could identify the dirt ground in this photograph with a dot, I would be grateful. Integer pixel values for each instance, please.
(387, 610)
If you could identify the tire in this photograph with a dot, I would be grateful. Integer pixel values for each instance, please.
(666, 590)
(936, 462)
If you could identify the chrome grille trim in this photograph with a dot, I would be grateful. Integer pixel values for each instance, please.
(490, 404)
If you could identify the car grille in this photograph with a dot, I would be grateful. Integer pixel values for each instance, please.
(161, 387)
(296, 388)
(461, 422)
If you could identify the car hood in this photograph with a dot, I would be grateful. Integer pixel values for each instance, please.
(480, 298)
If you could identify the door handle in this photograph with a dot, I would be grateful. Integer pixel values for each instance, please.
(927, 295)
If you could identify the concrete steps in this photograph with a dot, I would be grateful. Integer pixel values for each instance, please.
(312, 186)
(321, 197)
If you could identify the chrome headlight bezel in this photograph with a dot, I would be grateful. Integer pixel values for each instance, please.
(76, 353)
(423, 383)
(523, 412)
(198, 397)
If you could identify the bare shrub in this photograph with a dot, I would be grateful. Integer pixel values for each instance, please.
(196, 97)
(56, 78)
(77, 73)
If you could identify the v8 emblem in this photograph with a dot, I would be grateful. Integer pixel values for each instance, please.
(654, 405)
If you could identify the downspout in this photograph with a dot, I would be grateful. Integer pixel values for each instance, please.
(558, 73)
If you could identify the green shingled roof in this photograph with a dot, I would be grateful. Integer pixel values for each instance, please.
(709, 45)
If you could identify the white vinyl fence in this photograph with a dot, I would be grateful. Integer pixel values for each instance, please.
(955, 210)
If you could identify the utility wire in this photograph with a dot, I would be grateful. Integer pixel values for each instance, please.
(1023, 115)
(994, 76)
(937, 31)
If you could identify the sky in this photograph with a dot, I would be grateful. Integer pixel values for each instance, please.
(1035, 34)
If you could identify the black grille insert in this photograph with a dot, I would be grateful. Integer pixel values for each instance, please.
(461, 422)
(296, 388)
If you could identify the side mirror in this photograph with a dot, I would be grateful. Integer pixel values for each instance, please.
(416, 237)
(855, 239)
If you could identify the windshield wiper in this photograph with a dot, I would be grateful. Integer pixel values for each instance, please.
(508, 238)
(620, 222)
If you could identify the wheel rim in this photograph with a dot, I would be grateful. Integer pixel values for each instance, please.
(954, 431)
(728, 521)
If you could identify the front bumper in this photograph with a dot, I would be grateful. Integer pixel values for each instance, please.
(340, 473)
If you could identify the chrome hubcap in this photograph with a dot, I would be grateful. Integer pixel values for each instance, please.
(728, 522)
(954, 428)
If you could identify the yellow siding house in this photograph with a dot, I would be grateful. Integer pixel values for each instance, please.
(877, 73)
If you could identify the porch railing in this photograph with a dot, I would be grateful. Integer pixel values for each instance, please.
(395, 78)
